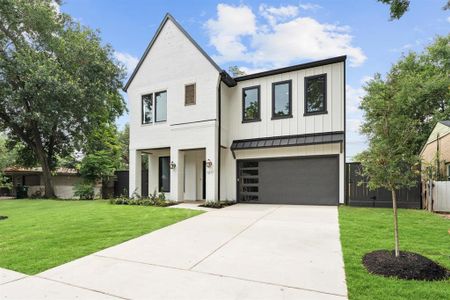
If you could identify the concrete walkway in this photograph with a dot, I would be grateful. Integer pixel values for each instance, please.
(239, 252)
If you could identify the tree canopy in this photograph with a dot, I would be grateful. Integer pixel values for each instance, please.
(58, 81)
(399, 7)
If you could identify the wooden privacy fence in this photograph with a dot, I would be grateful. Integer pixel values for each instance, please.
(440, 196)
(358, 194)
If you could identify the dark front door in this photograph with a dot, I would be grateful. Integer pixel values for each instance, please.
(300, 180)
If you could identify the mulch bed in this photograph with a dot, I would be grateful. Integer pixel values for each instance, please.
(3, 218)
(220, 204)
(409, 266)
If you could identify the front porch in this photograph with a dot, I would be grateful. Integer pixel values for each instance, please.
(182, 174)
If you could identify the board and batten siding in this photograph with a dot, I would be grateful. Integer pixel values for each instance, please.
(333, 120)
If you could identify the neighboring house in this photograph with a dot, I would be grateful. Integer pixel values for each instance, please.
(271, 137)
(435, 153)
(64, 180)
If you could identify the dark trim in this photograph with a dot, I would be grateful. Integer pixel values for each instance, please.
(274, 84)
(150, 45)
(160, 173)
(219, 136)
(345, 136)
(284, 141)
(258, 118)
(227, 79)
(288, 158)
(193, 122)
(156, 107)
(319, 112)
(313, 64)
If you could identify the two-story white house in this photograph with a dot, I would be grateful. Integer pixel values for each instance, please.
(271, 137)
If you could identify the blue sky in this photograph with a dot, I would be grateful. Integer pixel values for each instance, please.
(254, 35)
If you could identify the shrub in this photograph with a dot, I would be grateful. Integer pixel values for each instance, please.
(217, 204)
(153, 199)
(84, 190)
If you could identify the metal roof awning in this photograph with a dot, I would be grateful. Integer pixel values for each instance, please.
(289, 140)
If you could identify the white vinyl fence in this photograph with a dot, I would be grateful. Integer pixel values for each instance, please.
(441, 196)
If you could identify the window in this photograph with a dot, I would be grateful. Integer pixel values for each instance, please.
(147, 109)
(251, 104)
(282, 99)
(316, 94)
(160, 106)
(164, 174)
(189, 94)
(448, 170)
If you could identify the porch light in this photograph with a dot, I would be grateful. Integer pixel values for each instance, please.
(209, 163)
(172, 165)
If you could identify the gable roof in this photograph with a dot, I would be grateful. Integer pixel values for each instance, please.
(224, 75)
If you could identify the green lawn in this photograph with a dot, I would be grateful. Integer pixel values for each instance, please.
(366, 229)
(41, 234)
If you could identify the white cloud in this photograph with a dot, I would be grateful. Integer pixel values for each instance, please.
(56, 7)
(309, 6)
(128, 60)
(225, 32)
(277, 38)
(354, 97)
(353, 125)
(448, 19)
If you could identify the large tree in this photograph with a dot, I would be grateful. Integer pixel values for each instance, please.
(58, 81)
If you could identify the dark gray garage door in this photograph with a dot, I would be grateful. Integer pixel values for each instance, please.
(313, 180)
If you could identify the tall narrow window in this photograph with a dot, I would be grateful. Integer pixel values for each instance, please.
(189, 94)
(147, 109)
(251, 104)
(161, 106)
(282, 99)
(164, 174)
(316, 94)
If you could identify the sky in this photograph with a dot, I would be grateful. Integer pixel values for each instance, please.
(260, 35)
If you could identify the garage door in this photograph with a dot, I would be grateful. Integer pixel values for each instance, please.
(305, 180)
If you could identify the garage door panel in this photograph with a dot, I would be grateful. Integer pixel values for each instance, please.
(312, 181)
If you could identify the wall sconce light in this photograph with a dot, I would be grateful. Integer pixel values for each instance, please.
(208, 163)
(172, 165)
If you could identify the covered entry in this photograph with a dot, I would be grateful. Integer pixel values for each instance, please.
(299, 180)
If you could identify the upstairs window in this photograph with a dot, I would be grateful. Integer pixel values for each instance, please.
(147, 109)
(160, 106)
(316, 94)
(282, 99)
(251, 104)
(189, 94)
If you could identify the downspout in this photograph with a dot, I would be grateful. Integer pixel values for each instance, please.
(219, 119)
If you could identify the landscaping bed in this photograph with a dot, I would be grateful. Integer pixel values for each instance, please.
(365, 230)
(41, 234)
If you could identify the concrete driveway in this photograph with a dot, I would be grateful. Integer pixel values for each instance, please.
(245, 251)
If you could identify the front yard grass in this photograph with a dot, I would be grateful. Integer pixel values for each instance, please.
(41, 234)
(367, 229)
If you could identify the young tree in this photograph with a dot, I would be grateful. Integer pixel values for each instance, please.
(57, 82)
(235, 71)
(390, 162)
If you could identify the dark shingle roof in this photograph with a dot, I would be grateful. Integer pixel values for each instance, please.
(446, 123)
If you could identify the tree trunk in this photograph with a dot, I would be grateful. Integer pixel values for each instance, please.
(46, 173)
(394, 206)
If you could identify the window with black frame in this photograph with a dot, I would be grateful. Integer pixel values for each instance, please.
(164, 174)
(316, 94)
(282, 99)
(251, 104)
(147, 109)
